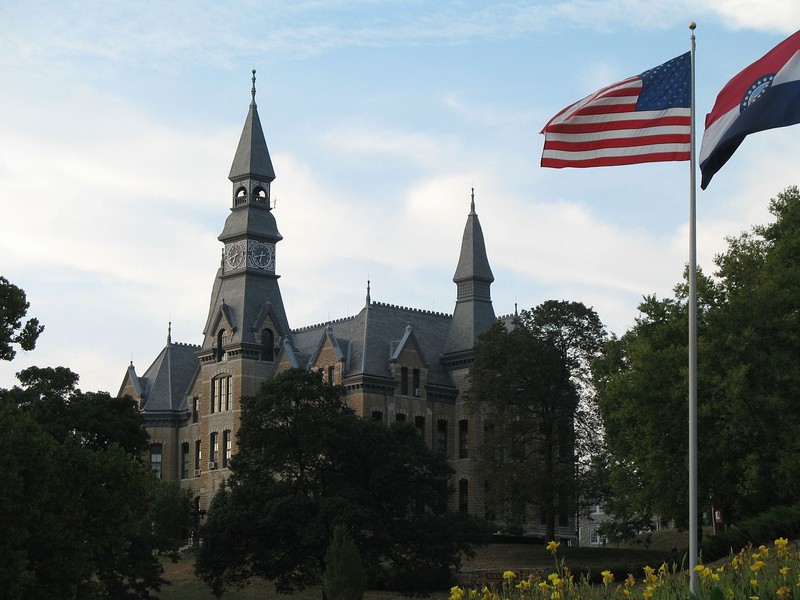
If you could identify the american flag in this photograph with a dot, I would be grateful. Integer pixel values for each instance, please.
(646, 118)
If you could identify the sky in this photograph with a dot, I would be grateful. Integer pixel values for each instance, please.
(119, 122)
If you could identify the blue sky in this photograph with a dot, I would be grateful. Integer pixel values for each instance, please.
(119, 121)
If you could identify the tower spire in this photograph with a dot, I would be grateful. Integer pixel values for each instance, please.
(253, 91)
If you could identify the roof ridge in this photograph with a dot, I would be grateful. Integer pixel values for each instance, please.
(322, 324)
(410, 309)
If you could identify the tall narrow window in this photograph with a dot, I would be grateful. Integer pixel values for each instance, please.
(221, 340)
(331, 371)
(227, 392)
(195, 415)
(463, 495)
(400, 418)
(226, 448)
(198, 457)
(213, 450)
(221, 393)
(404, 381)
(415, 383)
(441, 436)
(155, 458)
(184, 460)
(267, 345)
(463, 439)
(419, 423)
(377, 415)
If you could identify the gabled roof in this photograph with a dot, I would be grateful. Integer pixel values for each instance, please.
(373, 336)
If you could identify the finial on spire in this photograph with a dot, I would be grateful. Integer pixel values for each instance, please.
(253, 90)
(169, 333)
(472, 205)
(369, 301)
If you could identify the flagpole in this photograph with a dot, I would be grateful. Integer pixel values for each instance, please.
(693, 521)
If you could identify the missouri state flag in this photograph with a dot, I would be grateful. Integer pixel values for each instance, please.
(764, 96)
(646, 118)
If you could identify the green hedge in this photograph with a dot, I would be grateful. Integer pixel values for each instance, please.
(781, 521)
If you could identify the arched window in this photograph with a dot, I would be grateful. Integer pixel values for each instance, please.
(260, 195)
(241, 196)
(221, 340)
(267, 345)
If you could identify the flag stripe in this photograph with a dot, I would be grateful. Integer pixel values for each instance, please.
(765, 95)
(646, 118)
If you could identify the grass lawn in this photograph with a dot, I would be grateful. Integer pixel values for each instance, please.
(494, 557)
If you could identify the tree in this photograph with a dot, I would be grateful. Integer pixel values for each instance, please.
(305, 463)
(748, 382)
(527, 382)
(53, 399)
(344, 577)
(13, 308)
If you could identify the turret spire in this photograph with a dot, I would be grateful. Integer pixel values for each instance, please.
(253, 91)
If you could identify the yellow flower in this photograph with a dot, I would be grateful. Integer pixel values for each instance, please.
(782, 547)
(474, 594)
(754, 583)
(509, 576)
(785, 571)
(729, 593)
(648, 592)
(764, 550)
(626, 592)
(523, 585)
(552, 546)
(630, 581)
(715, 577)
(544, 586)
(757, 566)
(456, 593)
(556, 595)
(754, 598)
(608, 577)
(736, 563)
(783, 592)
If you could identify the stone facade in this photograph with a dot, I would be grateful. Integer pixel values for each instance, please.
(395, 363)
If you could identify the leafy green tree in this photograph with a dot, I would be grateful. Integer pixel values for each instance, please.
(748, 382)
(52, 397)
(13, 308)
(528, 382)
(306, 463)
(344, 577)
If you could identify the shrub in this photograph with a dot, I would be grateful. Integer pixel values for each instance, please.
(344, 577)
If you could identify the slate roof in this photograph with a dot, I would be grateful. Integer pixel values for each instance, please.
(252, 157)
(369, 339)
(166, 383)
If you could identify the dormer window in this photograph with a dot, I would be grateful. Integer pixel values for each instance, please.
(267, 345)
(221, 340)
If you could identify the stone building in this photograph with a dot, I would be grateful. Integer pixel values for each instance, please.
(396, 363)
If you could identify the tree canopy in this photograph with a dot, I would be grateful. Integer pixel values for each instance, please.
(531, 385)
(306, 463)
(82, 517)
(13, 308)
(748, 383)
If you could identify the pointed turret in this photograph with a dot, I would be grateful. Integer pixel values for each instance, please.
(252, 159)
(473, 313)
(246, 315)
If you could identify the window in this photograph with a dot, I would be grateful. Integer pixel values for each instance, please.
(594, 534)
(221, 339)
(404, 381)
(198, 458)
(597, 509)
(377, 415)
(194, 409)
(463, 495)
(213, 450)
(563, 509)
(226, 446)
(221, 394)
(331, 371)
(419, 423)
(184, 460)
(400, 418)
(441, 436)
(463, 439)
(267, 345)
(155, 458)
(415, 383)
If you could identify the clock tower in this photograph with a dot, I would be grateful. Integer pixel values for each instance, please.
(246, 319)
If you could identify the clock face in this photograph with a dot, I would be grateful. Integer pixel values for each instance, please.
(234, 255)
(262, 256)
